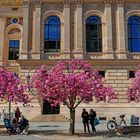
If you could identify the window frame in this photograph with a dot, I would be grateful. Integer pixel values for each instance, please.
(131, 48)
(58, 33)
(16, 55)
(97, 39)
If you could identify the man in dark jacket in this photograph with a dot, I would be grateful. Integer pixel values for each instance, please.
(85, 117)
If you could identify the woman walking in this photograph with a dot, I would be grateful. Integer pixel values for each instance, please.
(92, 116)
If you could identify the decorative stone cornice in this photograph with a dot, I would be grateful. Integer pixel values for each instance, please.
(78, 3)
(37, 3)
(11, 2)
(66, 3)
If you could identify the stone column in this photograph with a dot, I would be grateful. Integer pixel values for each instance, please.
(25, 36)
(2, 28)
(78, 46)
(121, 42)
(66, 48)
(36, 44)
(108, 50)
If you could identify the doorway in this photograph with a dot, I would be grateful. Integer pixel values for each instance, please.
(48, 109)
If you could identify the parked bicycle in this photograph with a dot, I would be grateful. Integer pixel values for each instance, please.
(113, 124)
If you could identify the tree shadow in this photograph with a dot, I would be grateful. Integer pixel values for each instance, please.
(48, 126)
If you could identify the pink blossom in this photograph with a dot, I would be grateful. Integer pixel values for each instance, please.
(11, 88)
(71, 82)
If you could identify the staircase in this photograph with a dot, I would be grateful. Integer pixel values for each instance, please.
(50, 118)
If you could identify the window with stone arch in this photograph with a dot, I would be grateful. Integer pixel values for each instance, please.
(14, 36)
(93, 34)
(52, 34)
(134, 34)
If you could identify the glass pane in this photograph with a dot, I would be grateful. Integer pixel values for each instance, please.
(136, 45)
(11, 43)
(135, 31)
(17, 43)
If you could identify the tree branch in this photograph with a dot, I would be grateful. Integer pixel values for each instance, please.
(78, 103)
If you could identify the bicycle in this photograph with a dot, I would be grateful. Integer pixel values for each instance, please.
(112, 124)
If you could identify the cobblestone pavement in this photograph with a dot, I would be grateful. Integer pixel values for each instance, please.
(59, 131)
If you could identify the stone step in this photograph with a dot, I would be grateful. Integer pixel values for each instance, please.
(50, 118)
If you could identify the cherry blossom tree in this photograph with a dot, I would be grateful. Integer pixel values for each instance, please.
(11, 88)
(134, 88)
(71, 82)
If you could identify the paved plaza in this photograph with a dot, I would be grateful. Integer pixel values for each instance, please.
(59, 131)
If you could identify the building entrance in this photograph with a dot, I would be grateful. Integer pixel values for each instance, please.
(48, 109)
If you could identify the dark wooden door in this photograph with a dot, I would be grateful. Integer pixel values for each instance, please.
(48, 109)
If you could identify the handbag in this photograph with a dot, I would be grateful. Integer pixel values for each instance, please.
(96, 121)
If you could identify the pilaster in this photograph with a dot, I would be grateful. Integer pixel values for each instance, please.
(66, 49)
(121, 42)
(2, 27)
(108, 50)
(25, 37)
(78, 46)
(36, 53)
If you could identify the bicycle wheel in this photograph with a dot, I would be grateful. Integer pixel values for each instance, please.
(111, 126)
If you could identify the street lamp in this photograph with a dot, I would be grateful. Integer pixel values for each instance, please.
(28, 78)
(30, 90)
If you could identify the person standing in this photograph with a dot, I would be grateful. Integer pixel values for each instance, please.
(92, 116)
(85, 118)
(17, 114)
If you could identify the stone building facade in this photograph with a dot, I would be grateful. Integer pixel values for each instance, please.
(82, 27)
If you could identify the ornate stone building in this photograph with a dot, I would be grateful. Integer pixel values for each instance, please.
(104, 32)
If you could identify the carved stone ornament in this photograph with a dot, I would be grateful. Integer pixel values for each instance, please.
(107, 2)
(78, 3)
(11, 2)
(26, 3)
(120, 2)
(66, 3)
(37, 3)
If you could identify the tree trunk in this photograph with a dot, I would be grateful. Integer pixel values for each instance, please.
(72, 121)
(10, 110)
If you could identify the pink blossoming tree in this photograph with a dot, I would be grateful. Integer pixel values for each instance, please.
(11, 89)
(71, 82)
(134, 88)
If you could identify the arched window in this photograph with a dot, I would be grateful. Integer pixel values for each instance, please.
(134, 34)
(93, 34)
(14, 36)
(52, 34)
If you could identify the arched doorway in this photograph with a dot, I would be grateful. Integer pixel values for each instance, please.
(48, 109)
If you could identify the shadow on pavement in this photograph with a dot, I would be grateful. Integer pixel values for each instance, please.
(105, 134)
(48, 126)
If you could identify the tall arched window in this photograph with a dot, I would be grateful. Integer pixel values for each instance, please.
(52, 34)
(134, 34)
(14, 37)
(93, 34)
